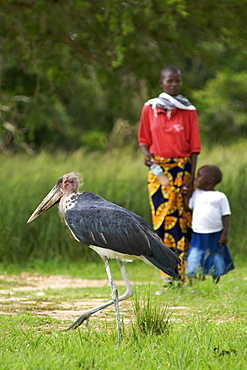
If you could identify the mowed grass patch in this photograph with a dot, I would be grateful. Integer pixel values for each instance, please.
(177, 330)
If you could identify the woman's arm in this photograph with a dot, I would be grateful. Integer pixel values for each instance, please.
(147, 155)
(187, 189)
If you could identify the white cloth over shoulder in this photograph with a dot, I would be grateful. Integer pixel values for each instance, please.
(168, 102)
(208, 207)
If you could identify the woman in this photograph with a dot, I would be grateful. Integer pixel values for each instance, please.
(169, 136)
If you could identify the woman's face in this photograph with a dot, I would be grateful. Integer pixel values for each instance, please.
(171, 82)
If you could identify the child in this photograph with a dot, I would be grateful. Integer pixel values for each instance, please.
(208, 252)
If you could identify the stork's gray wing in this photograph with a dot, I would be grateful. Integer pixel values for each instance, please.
(95, 221)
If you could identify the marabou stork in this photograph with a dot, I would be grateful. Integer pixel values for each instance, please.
(112, 231)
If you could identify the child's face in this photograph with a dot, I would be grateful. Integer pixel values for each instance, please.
(202, 179)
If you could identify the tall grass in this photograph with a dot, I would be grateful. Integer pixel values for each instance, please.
(150, 319)
(119, 176)
(24, 183)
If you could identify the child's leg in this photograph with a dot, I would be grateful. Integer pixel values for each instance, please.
(190, 280)
(194, 262)
(216, 279)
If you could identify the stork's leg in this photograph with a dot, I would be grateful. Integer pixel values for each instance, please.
(128, 293)
(129, 290)
(114, 294)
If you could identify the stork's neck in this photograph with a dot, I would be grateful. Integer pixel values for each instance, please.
(66, 202)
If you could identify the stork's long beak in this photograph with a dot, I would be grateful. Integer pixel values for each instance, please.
(52, 198)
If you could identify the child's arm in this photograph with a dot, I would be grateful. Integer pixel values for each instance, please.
(224, 235)
(186, 203)
(186, 199)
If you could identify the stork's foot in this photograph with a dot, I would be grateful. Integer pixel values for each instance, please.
(79, 321)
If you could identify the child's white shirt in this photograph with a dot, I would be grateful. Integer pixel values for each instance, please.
(208, 207)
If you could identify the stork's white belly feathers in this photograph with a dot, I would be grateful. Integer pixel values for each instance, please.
(109, 253)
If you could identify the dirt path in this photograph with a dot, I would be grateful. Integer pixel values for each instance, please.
(28, 293)
(44, 295)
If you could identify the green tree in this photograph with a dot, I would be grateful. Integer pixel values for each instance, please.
(72, 67)
(223, 107)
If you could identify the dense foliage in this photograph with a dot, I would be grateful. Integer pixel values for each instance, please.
(72, 70)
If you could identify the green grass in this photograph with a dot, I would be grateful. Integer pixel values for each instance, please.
(177, 330)
(195, 345)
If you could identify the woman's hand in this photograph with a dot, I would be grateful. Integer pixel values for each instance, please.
(147, 155)
(148, 159)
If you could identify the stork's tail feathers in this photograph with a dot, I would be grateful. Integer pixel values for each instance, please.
(163, 258)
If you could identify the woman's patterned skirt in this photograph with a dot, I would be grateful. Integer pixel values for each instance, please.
(171, 222)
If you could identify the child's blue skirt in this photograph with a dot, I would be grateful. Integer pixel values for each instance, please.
(206, 257)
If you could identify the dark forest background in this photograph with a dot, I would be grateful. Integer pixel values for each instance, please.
(76, 73)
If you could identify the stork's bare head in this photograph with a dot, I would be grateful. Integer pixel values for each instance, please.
(67, 184)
